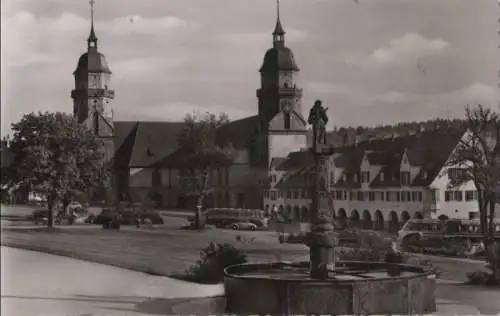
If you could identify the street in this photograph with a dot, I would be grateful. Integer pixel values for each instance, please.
(41, 284)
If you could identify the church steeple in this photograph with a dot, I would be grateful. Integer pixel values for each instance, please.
(279, 32)
(92, 40)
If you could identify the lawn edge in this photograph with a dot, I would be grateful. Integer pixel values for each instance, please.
(180, 276)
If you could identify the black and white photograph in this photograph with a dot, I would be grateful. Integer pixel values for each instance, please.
(250, 157)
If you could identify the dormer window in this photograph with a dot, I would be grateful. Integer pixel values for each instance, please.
(381, 176)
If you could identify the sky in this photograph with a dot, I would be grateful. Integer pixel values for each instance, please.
(371, 61)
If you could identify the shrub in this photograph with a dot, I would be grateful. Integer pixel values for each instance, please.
(369, 240)
(359, 254)
(213, 260)
(491, 277)
(482, 278)
(129, 217)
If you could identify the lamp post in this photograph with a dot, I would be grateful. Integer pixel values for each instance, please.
(321, 238)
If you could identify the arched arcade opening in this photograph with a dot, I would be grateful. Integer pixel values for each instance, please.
(342, 217)
(354, 219)
(393, 222)
(367, 220)
(379, 220)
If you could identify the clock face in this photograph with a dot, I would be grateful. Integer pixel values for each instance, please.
(286, 79)
(93, 82)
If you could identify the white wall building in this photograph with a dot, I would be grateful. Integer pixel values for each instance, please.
(378, 183)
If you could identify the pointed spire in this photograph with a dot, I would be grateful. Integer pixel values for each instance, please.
(279, 32)
(92, 40)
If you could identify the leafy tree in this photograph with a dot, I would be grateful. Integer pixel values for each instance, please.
(57, 157)
(201, 148)
(478, 155)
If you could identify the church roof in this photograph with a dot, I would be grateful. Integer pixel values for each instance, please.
(92, 61)
(141, 144)
(277, 58)
(147, 144)
(240, 132)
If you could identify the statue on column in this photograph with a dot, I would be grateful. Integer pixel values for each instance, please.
(318, 119)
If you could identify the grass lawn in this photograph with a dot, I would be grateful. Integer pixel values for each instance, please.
(161, 251)
(169, 250)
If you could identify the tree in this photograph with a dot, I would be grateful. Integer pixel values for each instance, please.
(478, 156)
(201, 148)
(57, 157)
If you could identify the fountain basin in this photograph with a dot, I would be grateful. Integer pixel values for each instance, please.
(357, 288)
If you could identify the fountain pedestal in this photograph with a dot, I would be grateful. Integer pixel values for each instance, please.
(322, 241)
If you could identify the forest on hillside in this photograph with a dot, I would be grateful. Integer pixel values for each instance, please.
(349, 135)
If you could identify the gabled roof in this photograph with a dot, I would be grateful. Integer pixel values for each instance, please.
(428, 150)
(140, 144)
(124, 139)
(389, 179)
(297, 160)
(298, 178)
(148, 144)
(433, 150)
(154, 141)
(276, 162)
(383, 158)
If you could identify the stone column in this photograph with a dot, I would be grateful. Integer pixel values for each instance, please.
(320, 240)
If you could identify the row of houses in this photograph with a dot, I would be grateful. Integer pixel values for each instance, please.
(377, 183)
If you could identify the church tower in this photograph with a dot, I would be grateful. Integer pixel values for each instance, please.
(279, 99)
(92, 95)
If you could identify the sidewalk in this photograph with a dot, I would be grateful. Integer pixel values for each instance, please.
(451, 308)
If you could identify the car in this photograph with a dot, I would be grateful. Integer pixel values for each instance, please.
(242, 226)
(74, 206)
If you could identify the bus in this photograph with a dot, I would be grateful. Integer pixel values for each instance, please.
(222, 217)
(459, 236)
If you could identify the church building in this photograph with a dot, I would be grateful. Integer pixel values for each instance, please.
(144, 152)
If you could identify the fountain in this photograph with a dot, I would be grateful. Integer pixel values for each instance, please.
(324, 286)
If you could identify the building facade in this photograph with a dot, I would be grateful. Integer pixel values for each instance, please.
(377, 183)
(145, 154)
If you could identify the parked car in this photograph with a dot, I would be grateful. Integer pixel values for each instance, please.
(74, 206)
(242, 226)
(40, 216)
(128, 217)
